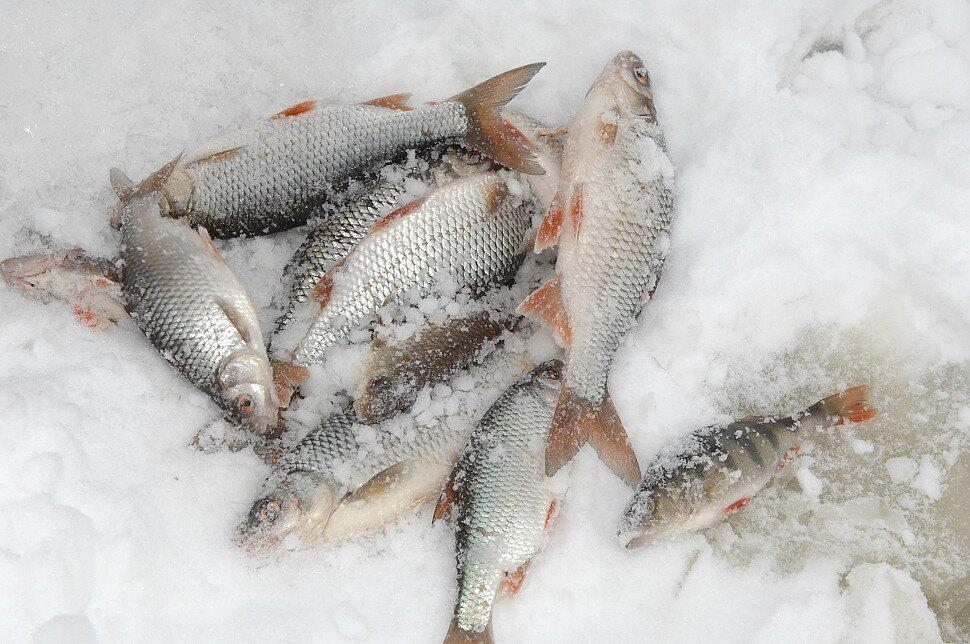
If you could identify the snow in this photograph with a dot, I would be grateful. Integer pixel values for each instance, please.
(821, 161)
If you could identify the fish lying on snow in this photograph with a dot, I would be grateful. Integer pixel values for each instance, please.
(472, 229)
(272, 175)
(88, 284)
(500, 500)
(713, 472)
(187, 301)
(181, 293)
(395, 373)
(344, 479)
(335, 237)
(611, 220)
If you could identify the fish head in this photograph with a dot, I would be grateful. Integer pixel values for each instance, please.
(627, 81)
(459, 162)
(383, 394)
(248, 393)
(60, 275)
(299, 503)
(655, 513)
(547, 378)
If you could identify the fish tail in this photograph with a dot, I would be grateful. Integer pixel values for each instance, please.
(849, 406)
(488, 132)
(577, 421)
(458, 635)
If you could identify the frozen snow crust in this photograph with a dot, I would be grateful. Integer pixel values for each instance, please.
(821, 240)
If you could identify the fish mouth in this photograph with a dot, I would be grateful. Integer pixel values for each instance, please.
(627, 60)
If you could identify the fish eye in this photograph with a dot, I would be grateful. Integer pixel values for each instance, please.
(640, 73)
(472, 157)
(553, 372)
(245, 404)
(379, 385)
(269, 511)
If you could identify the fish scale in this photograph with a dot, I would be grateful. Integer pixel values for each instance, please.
(502, 500)
(454, 229)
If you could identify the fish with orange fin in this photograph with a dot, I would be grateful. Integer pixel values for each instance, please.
(500, 501)
(611, 221)
(277, 172)
(713, 472)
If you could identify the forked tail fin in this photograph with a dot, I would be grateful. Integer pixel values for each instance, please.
(577, 421)
(488, 132)
(458, 635)
(849, 406)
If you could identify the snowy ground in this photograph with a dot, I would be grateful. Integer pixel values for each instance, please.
(823, 158)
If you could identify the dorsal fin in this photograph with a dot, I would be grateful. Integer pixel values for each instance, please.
(220, 155)
(400, 213)
(295, 110)
(123, 186)
(392, 101)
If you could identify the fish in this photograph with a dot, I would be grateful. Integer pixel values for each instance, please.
(395, 373)
(345, 479)
(472, 229)
(274, 174)
(499, 499)
(183, 296)
(611, 221)
(89, 284)
(330, 241)
(701, 479)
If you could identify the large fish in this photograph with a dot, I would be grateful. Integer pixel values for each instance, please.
(344, 479)
(336, 236)
(274, 174)
(713, 472)
(472, 230)
(187, 301)
(394, 373)
(499, 499)
(610, 219)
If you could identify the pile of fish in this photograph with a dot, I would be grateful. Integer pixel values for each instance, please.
(408, 203)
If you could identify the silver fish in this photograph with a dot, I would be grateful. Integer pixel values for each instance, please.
(272, 175)
(88, 284)
(472, 229)
(611, 220)
(500, 499)
(395, 373)
(187, 301)
(715, 471)
(333, 239)
(345, 479)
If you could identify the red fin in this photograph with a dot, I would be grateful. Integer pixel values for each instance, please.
(488, 132)
(400, 213)
(550, 226)
(495, 193)
(221, 155)
(849, 406)
(551, 513)
(513, 581)
(545, 305)
(576, 421)
(737, 505)
(458, 635)
(606, 132)
(576, 209)
(787, 458)
(295, 110)
(445, 507)
(392, 101)
(287, 377)
(323, 290)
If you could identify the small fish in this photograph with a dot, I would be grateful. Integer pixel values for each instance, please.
(500, 500)
(611, 220)
(394, 374)
(184, 297)
(714, 472)
(333, 239)
(88, 284)
(472, 229)
(344, 479)
(275, 173)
